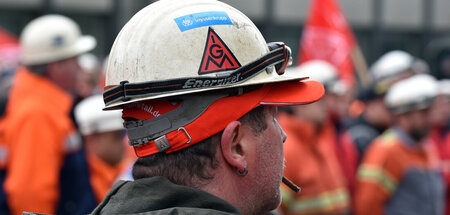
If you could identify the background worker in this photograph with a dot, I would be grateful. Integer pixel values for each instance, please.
(311, 151)
(199, 110)
(392, 67)
(44, 163)
(102, 133)
(375, 117)
(400, 171)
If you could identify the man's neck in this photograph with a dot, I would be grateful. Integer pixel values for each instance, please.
(228, 187)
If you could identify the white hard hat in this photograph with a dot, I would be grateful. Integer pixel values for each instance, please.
(420, 66)
(51, 38)
(88, 62)
(444, 87)
(175, 47)
(92, 119)
(415, 92)
(320, 71)
(323, 72)
(391, 64)
(172, 51)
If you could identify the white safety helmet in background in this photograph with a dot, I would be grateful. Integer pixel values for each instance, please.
(176, 47)
(52, 38)
(391, 64)
(420, 66)
(92, 119)
(323, 72)
(89, 62)
(416, 92)
(444, 87)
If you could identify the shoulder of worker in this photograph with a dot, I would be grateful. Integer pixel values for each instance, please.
(157, 195)
(385, 147)
(387, 140)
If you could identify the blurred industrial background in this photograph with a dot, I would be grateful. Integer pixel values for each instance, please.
(419, 27)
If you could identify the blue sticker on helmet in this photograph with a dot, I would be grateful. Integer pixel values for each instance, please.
(197, 20)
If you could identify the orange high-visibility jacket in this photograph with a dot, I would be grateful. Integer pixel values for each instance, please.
(312, 164)
(102, 175)
(399, 176)
(39, 133)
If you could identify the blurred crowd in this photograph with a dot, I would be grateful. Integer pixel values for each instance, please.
(60, 153)
(378, 149)
(359, 150)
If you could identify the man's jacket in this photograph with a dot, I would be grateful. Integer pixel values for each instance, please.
(157, 195)
(312, 164)
(399, 176)
(46, 168)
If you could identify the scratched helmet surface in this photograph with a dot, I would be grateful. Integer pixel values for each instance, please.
(176, 47)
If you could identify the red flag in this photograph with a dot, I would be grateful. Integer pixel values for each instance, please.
(9, 50)
(7, 38)
(328, 36)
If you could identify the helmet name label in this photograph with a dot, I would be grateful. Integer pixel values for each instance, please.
(198, 83)
(197, 20)
(217, 56)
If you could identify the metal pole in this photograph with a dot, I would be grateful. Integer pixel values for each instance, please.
(428, 6)
(377, 39)
(269, 17)
(46, 7)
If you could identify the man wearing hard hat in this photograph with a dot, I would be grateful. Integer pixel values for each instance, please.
(399, 173)
(394, 66)
(375, 117)
(310, 151)
(103, 137)
(199, 86)
(41, 135)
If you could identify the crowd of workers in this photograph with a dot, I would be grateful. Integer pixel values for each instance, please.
(62, 152)
(384, 153)
(378, 149)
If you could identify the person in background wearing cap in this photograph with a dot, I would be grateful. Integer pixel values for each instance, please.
(102, 133)
(400, 171)
(439, 135)
(199, 86)
(310, 152)
(44, 160)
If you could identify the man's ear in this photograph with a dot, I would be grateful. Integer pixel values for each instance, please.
(231, 146)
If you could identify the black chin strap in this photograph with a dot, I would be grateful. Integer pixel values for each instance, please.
(278, 56)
